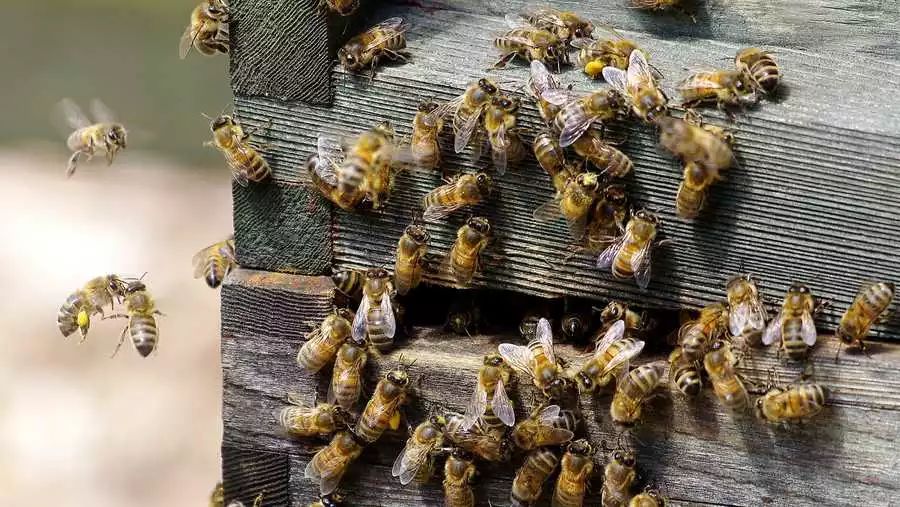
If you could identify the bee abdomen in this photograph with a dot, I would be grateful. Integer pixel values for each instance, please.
(689, 202)
(258, 169)
(295, 421)
(67, 317)
(877, 298)
(621, 267)
(766, 74)
(688, 381)
(792, 343)
(144, 334)
(215, 271)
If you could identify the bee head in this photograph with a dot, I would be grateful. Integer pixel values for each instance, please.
(583, 29)
(573, 326)
(117, 135)
(133, 287)
(358, 341)
(656, 112)
(349, 60)
(505, 103)
(398, 377)
(647, 216)
(438, 421)
(584, 381)
(377, 273)
(588, 180)
(613, 311)
(418, 233)
(222, 122)
(484, 182)
(717, 345)
(331, 500)
(798, 288)
(759, 406)
(493, 359)
(479, 224)
(345, 313)
(624, 458)
(487, 86)
(580, 447)
(556, 389)
(427, 106)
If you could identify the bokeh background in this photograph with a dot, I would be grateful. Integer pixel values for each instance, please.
(76, 427)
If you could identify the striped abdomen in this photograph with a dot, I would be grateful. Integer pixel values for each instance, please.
(463, 262)
(346, 384)
(457, 476)
(805, 400)
(529, 481)
(731, 391)
(375, 326)
(67, 317)
(508, 41)
(250, 162)
(622, 266)
(689, 201)
(791, 339)
(612, 161)
(216, 269)
(315, 354)
(762, 68)
(144, 333)
(376, 417)
(571, 486)
(868, 306)
(683, 374)
(550, 156)
(390, 39)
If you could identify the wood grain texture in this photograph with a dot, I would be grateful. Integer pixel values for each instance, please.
(810, 200)
(700, 452)
(246, 473)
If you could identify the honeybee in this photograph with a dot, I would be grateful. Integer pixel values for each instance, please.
(794, 325)
(618, 477)
(638, 85)
(574, 322)
(464, 190)
(693, 143)
(465, 255)
(684, 375)
(659, 5)
(746, 313)
(697, 177)
(459, 472)
(530, 43)
(795, 403)
(529, 324)
(257, 502)
(537, 360)
(552, 158)
(629, 255)
(719, 363)
(411, 250)
(607, 218)
(478, 440)
(573, 203)
(545, 426)
(566, 25)
(696, 336)
(340, 7)
(384, 40)
(214, 262)
(500, 124)
(469, 108)
(383, 409)
(594, 54)
(575, 471)
(493, 377)
(610, 358)
(348, 283)
(760, 67)
(614, 311)
(416, 460)
(104, 134)
(609, 160)
(540, 81)
(217, 497)
(649, 498)
(98, 292)
(332, 500)
(207, 31)
(141, 313)
(530, 477)
(463, 318)
(632, 389)
(427, 125)
(323, 342)
(241, 153)
(300, 420)
(346, 377)
(724, 87)
(375, 317)
(578, 113)
(330, 464)
(870, 304)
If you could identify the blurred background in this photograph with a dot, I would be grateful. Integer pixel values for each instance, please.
(76, 427)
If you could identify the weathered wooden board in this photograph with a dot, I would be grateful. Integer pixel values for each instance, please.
(698, 451)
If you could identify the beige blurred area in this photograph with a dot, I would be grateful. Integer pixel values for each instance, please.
(76, 427)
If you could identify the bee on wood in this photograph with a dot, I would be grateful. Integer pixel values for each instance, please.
(633, 389)
(339, 7)
(529, 482)
(573, 203)
(794, 325)
(566, 25)
(141, 312)
(761, 67)
(698, 178)
(869, 306)
(364, 172)
(578, 112)
(629, 255)
(500, 124)
(349, 283)
(649, 498)
(300, 420)
(537, 360)
(464, 190)
(479, 440)
(329, 465)
(465, 255)
(493, 377)
(795, 403)
(530, 43)
(638, 85)
(332, 500)
(410, 258)
(635, 323)
(207, 31)
(416, 460)
(610, 359)
(427, 125)
(608, 159)
(468, 110)
(619, 475)
(214, 262)
(684, 375)
(696, 336)
(552, 158)
(346, 377)
(90, 299)
(540, 81)
(595, 54)
(323, 342)
(727, 88)
(383, 409)
(375, 317)
(607, 218)
(459, 472)
(693, 143)
(719, 363)
(547, 425)
(746, 313)
(575, 471)
(241, 153)
(104, 134)
(384, 40)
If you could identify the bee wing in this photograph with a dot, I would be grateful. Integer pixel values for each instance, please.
(387, 310)
(548, 211)
(606, 258)
(441, 111)
(438, 211)
(773, 331)
(199, 261)
(757, 317)
(544, 335)
(582, 42)
(556, 436)
(101, 112)
(577, 227)
(72, 114)
(808, 329)
(612, 335)
(515, 21)
(226, 248)
(546, 15)
(409, 461)
(639, 71)
(476, 407)
(389, 29)
(548, 414)
(502, 406)
(617, 79)
(314, 339)
(187, 41)
(358, 329)
(518, 356)
(640, 264)
(522, 41)
(623, 357)
(608, 29)
(329, 482)
(577, 123)
(559, 96)
(330, 150)
(238, 172)
(541, 79)
(499, 148)
(737, 319)
(466, 130)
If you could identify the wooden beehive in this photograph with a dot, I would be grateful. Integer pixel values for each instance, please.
(814, 199)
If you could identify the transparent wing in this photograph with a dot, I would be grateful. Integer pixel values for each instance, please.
(330, 397)
(238, 172)
(515, 21)
(546, 15)
(522, 41)
(101, 112)
(441, 111)
(387, 310)
(577, 123)
(187, 41)
(502, 406)
(389, 29)
(608, 29)
(330, 482)
(639, 71)
(612, 335)
(641, 263)
(226, 248)
(582, 43)
(560, 96)
(577, 227)
(311, 472)
(773, 331)
(548, 414)
(500, 148)
(476, 407)
(556, 436)
(808, 329)
(695, 82)
(358, 330)
(757, 315)
(465, 131)
(548, 212)
(606, 257)
(199, 261)
(737, 319)
(544, 334)
(518, 356)
(438, 211)
(623, 357)
(541, 78)
(330, 149)
(617, 79)
(411, 460)
(72, 114)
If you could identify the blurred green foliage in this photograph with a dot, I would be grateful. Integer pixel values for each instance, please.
(123, 52)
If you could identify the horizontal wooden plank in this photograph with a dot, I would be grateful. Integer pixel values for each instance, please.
(247, 473)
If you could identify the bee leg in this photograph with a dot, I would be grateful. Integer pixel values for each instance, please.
(372, 68)
(501, 63)
(157, 312)
(73, 164)
(121, 341)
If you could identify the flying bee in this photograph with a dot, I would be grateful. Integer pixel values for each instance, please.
(468, 110)
(416, 460)
(346, 377)
(635, 323)
(575, 471)
(141, 312)
(649, 498)
(608, 159)
(90, 299)
(349, 283)
(343, 191)
(332, 500)
(579, 112)
(459, 472)
(760, 67)
(574, 203)
(464, 190)
(629, 255)
(607, 218)
(537, 360)
(427, 125)
(300, 420)
(719, 364)
(794, 403)
(214, 262)
(410, 258)
(384, 40)
(465, 255)
(104, 135)
(619, 476)
(724, 87)
(493, 377)
(540, 81)
(207, 31)
(375, 317)
(330, 464)
(323, 342)
(552, 158)
(340, 7)
(241, 153)
(638, 85)
(746, 313)
(633, 389)
(530, 43)
(547, 425)
(383, 409)
(478, 440)
(566, 25)
(610, 359)
(529, 482)
(693, 143)
(594, 54)
(870, 304)
(696, 336)
(684, 375)
(500, 124)
(794, 325)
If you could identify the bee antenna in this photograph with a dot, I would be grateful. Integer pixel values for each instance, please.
(206, 116)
